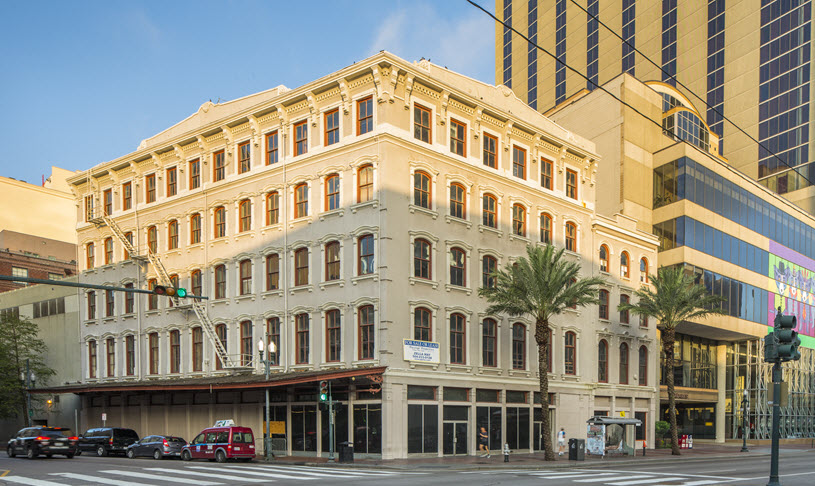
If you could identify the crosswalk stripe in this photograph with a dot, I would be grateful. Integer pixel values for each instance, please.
(596, 476)
(702, 482)
(30, 481)
(295, 470)
(595, 479)
(96, 479)
(254, 472)
(650, 480)
(207, 474)
(157, 477)
(333, 470)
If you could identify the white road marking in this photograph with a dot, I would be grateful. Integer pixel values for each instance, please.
(583, 475)
(701, 482)
(157, 477)
(641, 480)
(207, 474)
(255, 472)
(355, 472)
(292, 470)
(97, 479)
(594, 479)
(30, 481)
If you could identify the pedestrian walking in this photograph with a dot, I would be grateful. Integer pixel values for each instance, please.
(561, 441)
(484, 443)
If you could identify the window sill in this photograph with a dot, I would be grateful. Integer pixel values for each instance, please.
(423, 281)
(572, 254)
(363, 362)
(88, 322)
(301, 367)
(332, 283)
(523, 239)
(304, 219)
(605, 273)
(249, 297)
(458, 288)
(573, 311)
(334, 212)
(109, 319)
(453, 219)
(373, 203)
(333, 365)
(249, 234)
(566, 377)
(173, 252)
(219, 301)
(195, 246)
(272, 293)
(274, 227)
(152, 312)
(217, 241)
(625, 324)
(459, 368)
(413, 209)
(490, 370)
(301, 288)
(482, 228)
(129, 315)
(423, 365)
(361, 278)
(523, 373)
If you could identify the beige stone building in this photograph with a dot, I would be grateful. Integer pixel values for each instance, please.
(351, 221)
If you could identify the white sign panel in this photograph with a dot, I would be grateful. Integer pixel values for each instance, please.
(104, 417)
(423, 351)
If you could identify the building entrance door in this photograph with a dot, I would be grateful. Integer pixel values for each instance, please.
(455, 438)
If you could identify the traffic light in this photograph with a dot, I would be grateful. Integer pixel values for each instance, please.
(170, 291)
(770, 348)
(788, 340)
(323, 391)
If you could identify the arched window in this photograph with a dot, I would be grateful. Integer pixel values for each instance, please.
(421, 189)
(196, 283)
(175, 351)
(458, 274)
(332, 192)
(366, 332)
(421, 259)
(365, 183)
(152, 342)
(152, 239)
(603, 258)
(108, 251)
(273, 336)
(333, 334)
(488, 266)
(602, 361)
(301, 200)
(643, 371)
(220, 222)
(489, 345)
(172, 235)
(92, 364)
(571, 236)
(197, 349)
(220, 331)
(332, 260)
(365, 249)
(570, 353)
(421, 324)
(623, 364)
(129, 238)
(625, 269)
(643, 321)
(273, 271)
(301, 339)
(457, 338)
(110, 345)
(490, 211)
(220, 282)
(272, 208)
(624, 299)
(644, 270)
(245, 211)
(195, 229)
(245, 267)
(603, 304)
(301, 267)
(519, 219)
(518, 346)
(152, 299)
(546, 228)
(458, 206)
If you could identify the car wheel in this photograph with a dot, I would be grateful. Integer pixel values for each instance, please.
(220, 456)
(49, 455)
(186, 456)
(10, 451)
(131, 454)
(69, 456)
(78, 452)
(157, 454)
(30, 453)
(101, 451)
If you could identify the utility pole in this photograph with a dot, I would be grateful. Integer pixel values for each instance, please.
(776, 419)
(28, 376)
(267, 438)
(330, 425)
(745, 408)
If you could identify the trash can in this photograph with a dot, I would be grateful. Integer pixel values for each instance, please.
(577, 449)
(346, 452)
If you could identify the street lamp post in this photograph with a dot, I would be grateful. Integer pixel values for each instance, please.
(267, 439)
(745, 408)
(29, 378)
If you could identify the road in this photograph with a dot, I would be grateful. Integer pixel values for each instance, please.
(796, 470)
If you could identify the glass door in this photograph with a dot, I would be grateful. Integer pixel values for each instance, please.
(455, 438)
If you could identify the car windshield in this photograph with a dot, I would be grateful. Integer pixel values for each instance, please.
(176, 439)
(242, 438)
(127, 433)
(51, 433)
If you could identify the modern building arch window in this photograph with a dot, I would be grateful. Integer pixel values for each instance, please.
(245, 267)
(489, 264)
(244, 157)
(365, 115)
(546, 228)
(489, 211)
(220, 281)
(108, 251)
(196, 282)
(457, 338)
(197, 349)
(272, 156)
(175, 351)
(273, 336)
(333, 341)
(602, 361)
(301, 341)
(272, 208)
(273, 271)
(247, 343)
(220, 332)
(195, 229)
(458, 265)
(458, 205)
(152, 299)
(519, 219)
(332, 260)
(624, 316)
(301, 267)
(489, 342)
(152, 344)
(570, 353)
(644, 270)
(518, 162)
(301, 200)
(422, 331)
(220, 222)
(172, 235)
(518, 346)
(643, 367)
(571, 236)
(331, 127)
(92, 364)
(422, 259)
(365, 248)
(625, 261)
(421, 189)
(366, 332)
(152, 239)
(218, 166)
(365, 183)
(603, 258)
(245, 212)
(422, 127)
(623, 363)
(571, 184)
(603, 304)
(458, 138)
(490, 154)
(332, 192)
(300, 138)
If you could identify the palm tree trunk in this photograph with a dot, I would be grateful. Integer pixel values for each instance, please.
(668, 338)
(542, 338)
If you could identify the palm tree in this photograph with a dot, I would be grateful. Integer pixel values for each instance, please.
(675, 298)
(541, 286)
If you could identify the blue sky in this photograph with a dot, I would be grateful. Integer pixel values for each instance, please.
(85, 81)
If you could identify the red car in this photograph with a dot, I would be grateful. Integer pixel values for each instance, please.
(220, 444)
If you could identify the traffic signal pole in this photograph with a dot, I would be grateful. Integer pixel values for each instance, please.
(330, 425)
(63, 283)
(776, 425)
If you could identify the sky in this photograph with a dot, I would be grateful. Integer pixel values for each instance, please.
(84, 82)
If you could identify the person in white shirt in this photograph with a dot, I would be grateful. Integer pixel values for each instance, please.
(561, 441)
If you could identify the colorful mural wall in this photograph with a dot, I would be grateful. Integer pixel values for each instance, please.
(791, 286)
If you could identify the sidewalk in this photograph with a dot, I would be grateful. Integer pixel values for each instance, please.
(701, 451)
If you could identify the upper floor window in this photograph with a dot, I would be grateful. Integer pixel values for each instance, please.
(220, 222)
(518, 162)
(546, 229)
(422, 330)
(272, 208)
(518, 346)
(490, 154)
(625, 270)
(624, 299)
(197, 349)
(458, 273)
(107, 197)
(245, 211)
(110, 344)
(365, 115)
(300, 138)
(245, 267)
(571, 236)
(88, 208)
(91, 304)
(546, 173)
(490, 211)
(489, 342)
(129, 238)
(152, 299)
(602, 361)
(219, 166)
(130, 355)
(457, 338)
(195, 228)
(301, 341)
(366, 254)
(422, 129)
(92, 364)
(108, 251)
(152, 344)
(421, 189)
(152, 239)
(603, 304)
(172, 182)
(623, 363)
(458, 206)
(332, 260)
(220, 332)
(333, 342)
(643, 368)
(273, 336)
(195, 174)
(519, 219)
(129, 300)
(301, 200)
(643, 320)
(127, 196)
(150, 188)
(603, 258)
(196, 282)
(571, 184)
(644, 270)
(365, 183)
(273, 272)
(244, 157)
(301, 267)
(570, 353)
(488, 266)
(458, 138)
(366, 332)
(421, 259)
(172, 235)
(175, 351)
(220, 282)
(332, 192)
(271, 148)
(332, 127)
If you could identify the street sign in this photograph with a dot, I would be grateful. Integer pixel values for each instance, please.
(785, 395)
(104, 417)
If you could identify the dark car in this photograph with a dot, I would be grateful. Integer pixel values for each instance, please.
(33, 441)
(107, 440)
(156, 446)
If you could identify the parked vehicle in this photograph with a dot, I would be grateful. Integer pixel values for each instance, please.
(156, 446)
(221, 443)
(107, 440)
(33, 441)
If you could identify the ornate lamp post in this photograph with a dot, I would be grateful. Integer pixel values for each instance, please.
(29, 378)
(267, 439)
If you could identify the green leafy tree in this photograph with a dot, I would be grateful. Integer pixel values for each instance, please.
(675, 298)
(19, 342)
(541, 286)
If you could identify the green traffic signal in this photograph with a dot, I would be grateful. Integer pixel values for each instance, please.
(181, 292)
(323, 391)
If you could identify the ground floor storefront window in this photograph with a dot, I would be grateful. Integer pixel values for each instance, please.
(368, 428)
(304, 428)
(490, 418)
(423, 428)
(518, 428)
(698, 420)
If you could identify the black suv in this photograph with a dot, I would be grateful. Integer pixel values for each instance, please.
(107, 440)
(33, 441)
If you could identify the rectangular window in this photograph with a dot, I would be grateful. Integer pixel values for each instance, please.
(332, 330)
(332, 127)
(246, 277)
(152, 339)
(150, 188)
(458, 138)
(332, 261)
(129, 299)
(302, 338)
(518, 162)
(219, 166)
(365, 115)
(571, 184)
(19, 272)
(172, 182)
(127, 196)
(109, 303)
(273, 336)
(175, 351)
(457, 339)
(271, 148)
(92, 359)
(366, 255)
(490, 151)
(301, 267)
(130, 355)
(244, 157)
(197, 349)
(300, 138)
(546, 174)
(422, 129)
(110, 348)
(489, 340)
(88, 208)
(423, 429)
(107, 197)
(366, 332)
(272, 272)
(152, 299)
(91, 305)
(195, 174)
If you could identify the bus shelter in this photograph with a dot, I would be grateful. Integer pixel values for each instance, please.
(611, 435)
